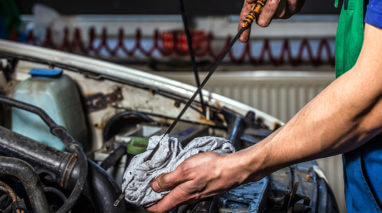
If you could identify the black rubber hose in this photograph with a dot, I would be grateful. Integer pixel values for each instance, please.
(55, 129)
(109, 131)
(58, 193)
(113, 157)
(58, 165)
(103, 190)
(28, 107)
(70, 143)
(236, 127)
(29, 179)
(79, 186)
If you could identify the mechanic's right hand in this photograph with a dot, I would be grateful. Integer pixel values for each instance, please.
(272, 9)
(200, 176)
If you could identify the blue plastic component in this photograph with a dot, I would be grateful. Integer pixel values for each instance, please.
(44, 72)
(250, 196)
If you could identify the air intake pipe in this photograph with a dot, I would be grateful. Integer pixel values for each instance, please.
(63, 168)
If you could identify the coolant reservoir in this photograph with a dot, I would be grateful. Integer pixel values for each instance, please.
(58, 95)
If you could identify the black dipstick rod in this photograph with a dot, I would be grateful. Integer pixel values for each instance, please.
(246, 23)
(192, 54)
(255, 11)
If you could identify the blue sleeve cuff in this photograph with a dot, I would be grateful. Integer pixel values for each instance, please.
(373, 17)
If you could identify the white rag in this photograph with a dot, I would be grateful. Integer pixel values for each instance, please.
(142, 171)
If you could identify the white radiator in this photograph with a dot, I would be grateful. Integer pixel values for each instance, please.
(278, 93)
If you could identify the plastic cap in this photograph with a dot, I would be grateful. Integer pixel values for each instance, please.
(44, 72)
(137, 145)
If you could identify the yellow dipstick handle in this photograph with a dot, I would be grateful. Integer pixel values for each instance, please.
(253, 13)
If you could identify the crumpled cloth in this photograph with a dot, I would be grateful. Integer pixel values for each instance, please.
(142, 171)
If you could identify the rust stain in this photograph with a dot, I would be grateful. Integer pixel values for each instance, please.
(99, 101)
(204, 120)
(177, 104)
(152, 92)
(100, 125)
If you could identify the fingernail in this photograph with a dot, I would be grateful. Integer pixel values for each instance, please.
(155, 186)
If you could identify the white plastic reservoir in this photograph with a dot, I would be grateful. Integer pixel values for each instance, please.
(58, 95)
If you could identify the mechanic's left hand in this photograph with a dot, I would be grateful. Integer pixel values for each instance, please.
(272, 9)
(198, 177)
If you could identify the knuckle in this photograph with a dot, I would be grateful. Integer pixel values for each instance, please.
(155, 186)
(158, 183)
(295, 6)
(184, 169)
(263, 23)
(273, 5)
(165, 179)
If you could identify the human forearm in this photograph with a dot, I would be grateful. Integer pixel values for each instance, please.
(344, 116)
(339, 119)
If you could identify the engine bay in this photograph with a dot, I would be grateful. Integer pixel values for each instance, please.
(71, 125)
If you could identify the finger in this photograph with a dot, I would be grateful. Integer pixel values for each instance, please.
(170, 180)
(293, 7)
(283, 10)
(247, 6)
(176, 197)
(267, 13)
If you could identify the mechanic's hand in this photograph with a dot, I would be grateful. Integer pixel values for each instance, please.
(272, 9)
(198, 177)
